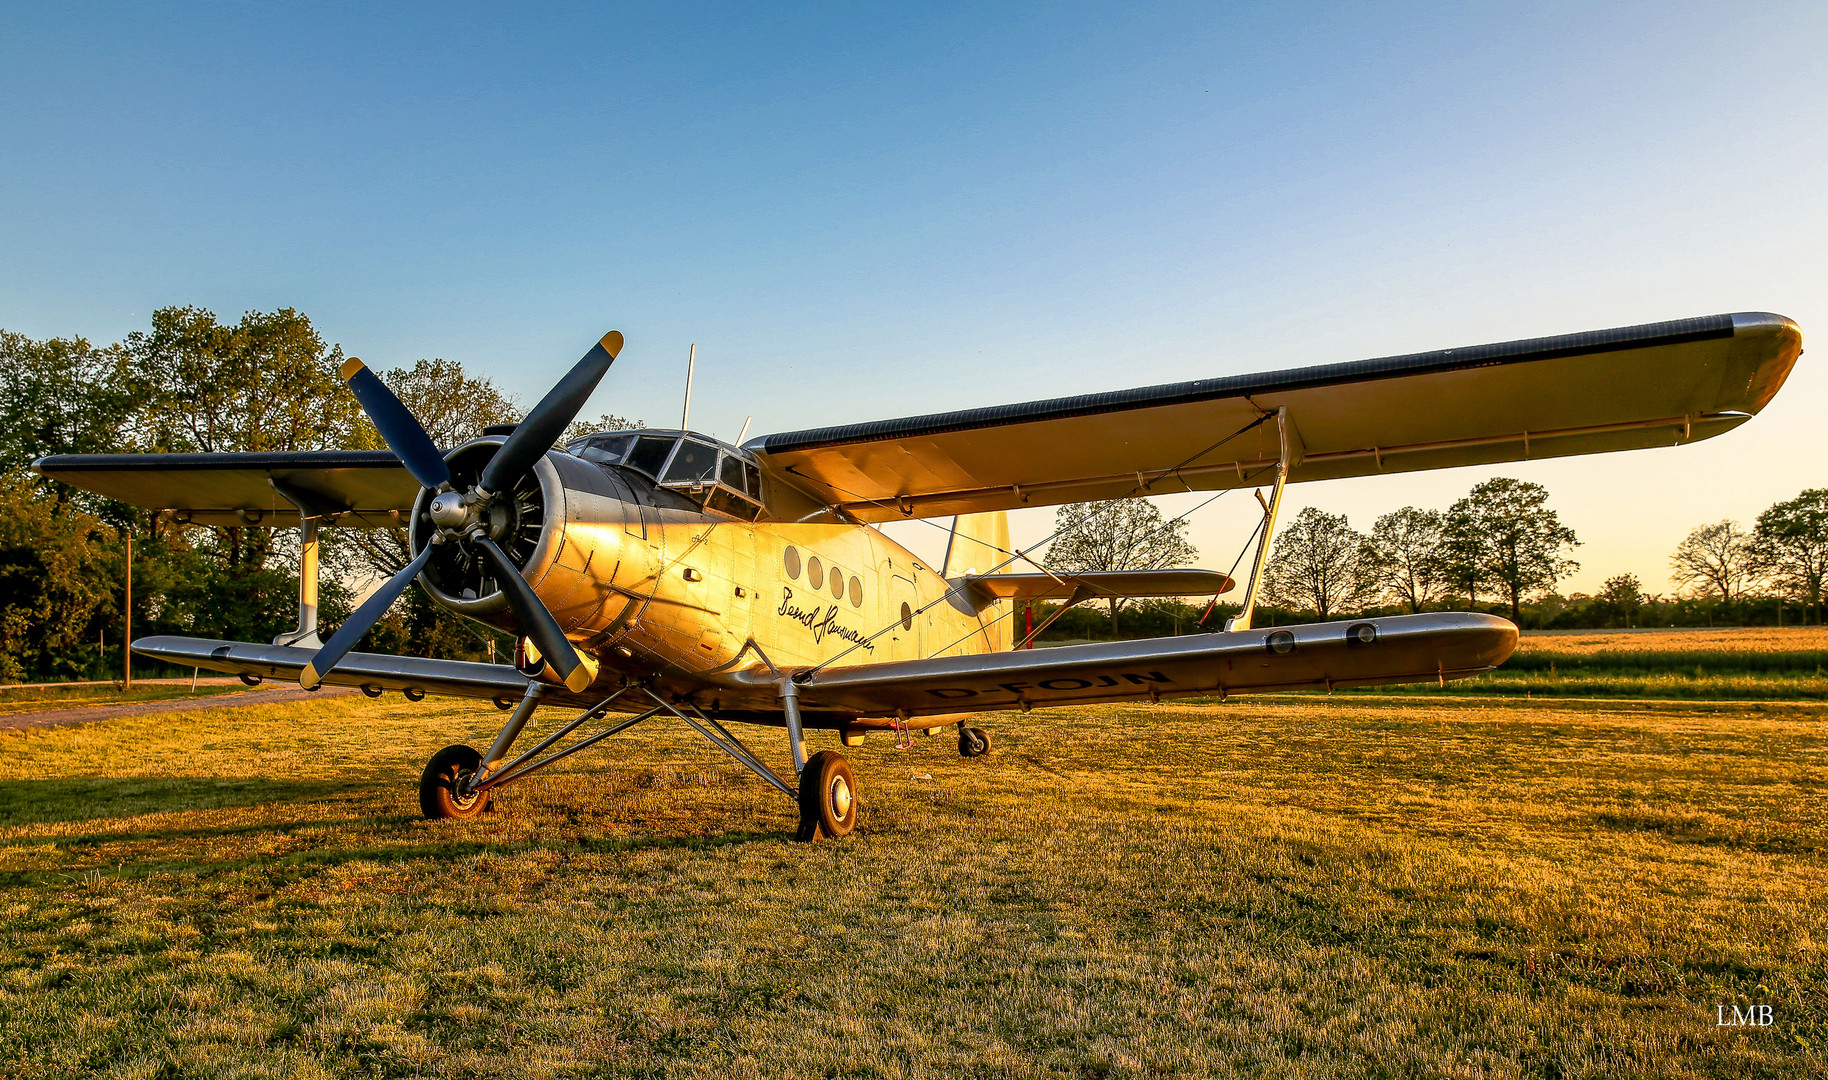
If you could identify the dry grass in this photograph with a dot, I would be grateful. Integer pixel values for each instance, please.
(18, 699)
(1364, 887)
(1732, 639)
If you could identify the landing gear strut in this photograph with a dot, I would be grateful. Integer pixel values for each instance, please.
(973, 741)
(828, 797)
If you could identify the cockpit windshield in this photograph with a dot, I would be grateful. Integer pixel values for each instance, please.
(650, 453)
(715, 475)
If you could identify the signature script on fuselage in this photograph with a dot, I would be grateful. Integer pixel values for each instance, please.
(822, 621)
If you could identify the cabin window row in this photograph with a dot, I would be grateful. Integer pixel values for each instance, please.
(819, 577)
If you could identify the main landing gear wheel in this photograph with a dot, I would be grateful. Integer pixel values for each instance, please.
(828, 797)
(973, 741)
(438, 796)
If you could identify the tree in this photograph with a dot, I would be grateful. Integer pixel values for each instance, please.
(1790, 547)
(606, 422)
(61, 396)
(1503, 532)
(452, 405)
(266, 383)
(1715, 558)
(1118, 534)
(1623, 595)
(58, 568)
(1406, 555)
(1321, 562)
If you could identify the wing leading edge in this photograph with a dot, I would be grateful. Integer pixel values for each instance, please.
(1659, 384)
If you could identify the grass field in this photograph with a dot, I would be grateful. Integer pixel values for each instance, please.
(1757, 663)
(18, 699)
(1286, 886)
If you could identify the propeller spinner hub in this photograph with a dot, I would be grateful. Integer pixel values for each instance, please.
(448, 511)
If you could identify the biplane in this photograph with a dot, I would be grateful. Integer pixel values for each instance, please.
(651, 573)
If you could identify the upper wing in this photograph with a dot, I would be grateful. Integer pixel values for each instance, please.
(1638, 386)
(352, 488)
(1405, 648)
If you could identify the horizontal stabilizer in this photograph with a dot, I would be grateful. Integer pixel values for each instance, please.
(1101, 584)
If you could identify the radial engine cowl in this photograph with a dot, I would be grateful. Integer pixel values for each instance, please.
(456, 576)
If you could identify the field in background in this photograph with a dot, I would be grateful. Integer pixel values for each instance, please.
(1737, 663)
(1297, 886)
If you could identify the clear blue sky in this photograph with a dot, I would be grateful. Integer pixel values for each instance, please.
(859, 213)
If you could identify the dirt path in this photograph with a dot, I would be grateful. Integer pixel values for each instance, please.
(85, 714)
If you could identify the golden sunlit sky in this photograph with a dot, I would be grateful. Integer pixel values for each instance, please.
(858, 213)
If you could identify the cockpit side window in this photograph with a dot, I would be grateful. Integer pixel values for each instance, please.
(693, 463)
(604, 449)
(730, 474)
(649, 454)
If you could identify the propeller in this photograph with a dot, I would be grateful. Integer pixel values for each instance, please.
(457, 517)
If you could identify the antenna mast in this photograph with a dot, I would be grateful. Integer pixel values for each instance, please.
(685, 417)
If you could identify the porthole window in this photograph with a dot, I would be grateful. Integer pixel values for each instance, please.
(837, 583)
(790, 560)
(1281, 642)
(907, 616)
(815, 572)
(856, 592)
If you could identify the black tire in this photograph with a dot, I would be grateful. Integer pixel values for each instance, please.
(438, 796)
(973, 741)
(828, 797)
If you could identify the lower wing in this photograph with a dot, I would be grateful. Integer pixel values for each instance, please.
(458, 678)
(1365, 652)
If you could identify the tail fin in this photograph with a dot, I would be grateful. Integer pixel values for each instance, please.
(978, 545)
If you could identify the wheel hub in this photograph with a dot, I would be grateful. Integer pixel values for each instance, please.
(840, 797)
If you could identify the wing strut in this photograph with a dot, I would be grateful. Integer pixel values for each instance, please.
(305, 636)
(1290, 457)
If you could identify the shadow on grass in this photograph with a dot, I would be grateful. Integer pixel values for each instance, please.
(42, 802)
(461, 844)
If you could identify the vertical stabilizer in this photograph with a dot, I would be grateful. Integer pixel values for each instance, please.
(979, 544)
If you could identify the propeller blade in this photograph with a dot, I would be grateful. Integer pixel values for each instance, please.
(535, 435)
(398, 427)
(358, 623)
(536, 620)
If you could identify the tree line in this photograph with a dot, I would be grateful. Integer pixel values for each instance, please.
(1503, 542)
(191, 382)
(1501, 549)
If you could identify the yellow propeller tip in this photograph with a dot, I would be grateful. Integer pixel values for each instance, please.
(309, 678)
(612, 343)
(579, 679)
(351, 366)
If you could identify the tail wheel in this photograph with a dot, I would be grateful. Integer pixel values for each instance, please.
(973, 741)
(828, 797)
(439, 785)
